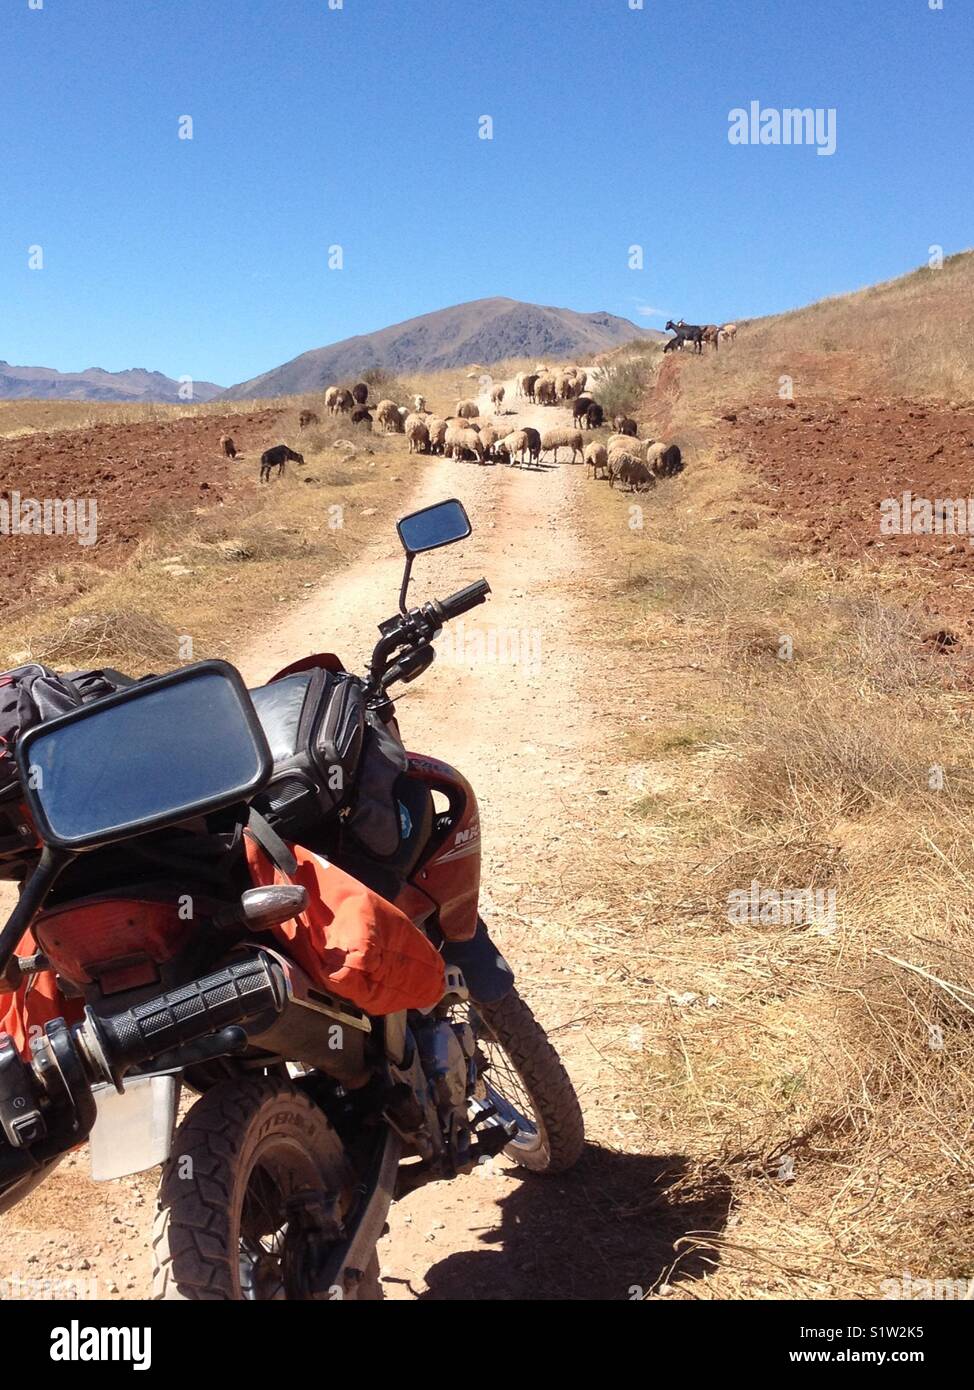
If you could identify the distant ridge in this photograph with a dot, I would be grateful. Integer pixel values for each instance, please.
(95, 384)
(481, 331)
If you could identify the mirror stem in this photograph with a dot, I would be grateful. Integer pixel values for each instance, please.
(410, 557)
(33, 893)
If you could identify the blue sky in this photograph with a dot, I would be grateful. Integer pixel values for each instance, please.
(358, 127)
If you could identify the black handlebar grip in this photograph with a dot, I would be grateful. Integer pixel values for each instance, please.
(241, 991)
(465, 599)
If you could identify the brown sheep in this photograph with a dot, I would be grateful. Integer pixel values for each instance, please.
(711, 334)
(227, 446)
(467, 410)
(554, 440)
(528, 383)
(497, 396)
(344, 402)
(361, 417)
(360, 393)
(306, 418)
(534, 443)
(622, 424)
(594, 416)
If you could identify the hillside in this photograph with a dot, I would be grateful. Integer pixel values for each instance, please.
(481, 331)
(95, 384)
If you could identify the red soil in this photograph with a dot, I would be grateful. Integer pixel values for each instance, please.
(135, 472)
(827, 465)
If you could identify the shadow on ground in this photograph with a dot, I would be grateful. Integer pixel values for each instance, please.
(608, 1227)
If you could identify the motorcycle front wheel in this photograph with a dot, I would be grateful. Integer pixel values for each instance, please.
(245, 1155)
(524, 1080)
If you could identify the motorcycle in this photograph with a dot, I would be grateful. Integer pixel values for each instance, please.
(312, 1114)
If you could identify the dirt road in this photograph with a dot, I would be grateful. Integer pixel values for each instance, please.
(514, 722)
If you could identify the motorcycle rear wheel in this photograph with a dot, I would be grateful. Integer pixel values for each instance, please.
(526, 1082)
(244, 1151)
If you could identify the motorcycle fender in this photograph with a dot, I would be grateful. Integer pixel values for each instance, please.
(487, 974)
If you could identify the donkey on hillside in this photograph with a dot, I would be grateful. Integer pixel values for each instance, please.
(685, 333)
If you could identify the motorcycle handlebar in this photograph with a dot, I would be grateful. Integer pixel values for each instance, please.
(413, 632)
(463, 600)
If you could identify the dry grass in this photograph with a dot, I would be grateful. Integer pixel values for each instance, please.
(823, 1067)
(23, 417)
(911, 336)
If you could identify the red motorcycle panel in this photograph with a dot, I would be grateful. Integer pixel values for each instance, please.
(450, 873)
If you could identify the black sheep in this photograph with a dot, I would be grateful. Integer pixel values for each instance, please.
(277, 457)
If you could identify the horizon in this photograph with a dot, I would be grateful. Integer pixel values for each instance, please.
(213, 256)
(368, 332)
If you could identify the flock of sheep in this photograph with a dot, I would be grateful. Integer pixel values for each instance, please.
(623, 458)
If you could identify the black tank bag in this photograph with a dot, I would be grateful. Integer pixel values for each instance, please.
(314, 721)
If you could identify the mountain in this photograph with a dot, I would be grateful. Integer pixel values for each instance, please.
(95, 384)
(481, 331)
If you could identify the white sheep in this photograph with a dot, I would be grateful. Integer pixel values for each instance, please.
(562, 439)
(331, 397)
(436, 429)
(597, 458)
(460, 440)
(663, 459)
(625, 466)
(419, 403)
(516, 443)
(417, 433)
(626, 440)
(387, 416)
(488, 438)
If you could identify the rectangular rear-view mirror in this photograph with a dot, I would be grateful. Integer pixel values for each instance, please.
(431, 527)
(157, 753)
